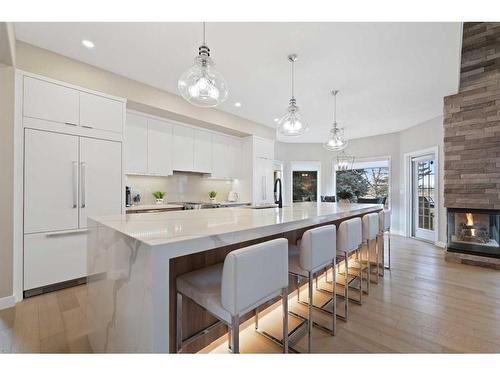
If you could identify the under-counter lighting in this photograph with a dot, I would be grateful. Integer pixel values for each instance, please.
(88, 43)
(237, 104)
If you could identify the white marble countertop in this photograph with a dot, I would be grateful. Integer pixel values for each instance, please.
(145, 207)
(226, 225)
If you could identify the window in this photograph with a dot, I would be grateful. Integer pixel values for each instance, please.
(305, 186)
(365, 181)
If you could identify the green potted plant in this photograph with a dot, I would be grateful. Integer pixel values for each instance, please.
(344, 196)
(159, 195)
(212, 194)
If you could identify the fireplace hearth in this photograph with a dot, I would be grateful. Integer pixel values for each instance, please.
(474, 231)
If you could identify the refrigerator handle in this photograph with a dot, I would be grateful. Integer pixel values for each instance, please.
(83, 168)
(75, 184)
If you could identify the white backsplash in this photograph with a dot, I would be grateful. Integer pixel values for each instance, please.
(181, 187)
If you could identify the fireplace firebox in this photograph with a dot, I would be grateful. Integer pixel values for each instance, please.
(474, 231)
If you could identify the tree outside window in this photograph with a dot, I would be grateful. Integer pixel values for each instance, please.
(365, 182)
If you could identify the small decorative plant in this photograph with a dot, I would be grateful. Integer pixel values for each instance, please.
(212, 194)
(159, 195)
(344, 196)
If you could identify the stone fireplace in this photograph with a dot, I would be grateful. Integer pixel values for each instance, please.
(474, 231)
(472, 148)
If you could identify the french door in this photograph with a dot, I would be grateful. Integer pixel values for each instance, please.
(423, 197)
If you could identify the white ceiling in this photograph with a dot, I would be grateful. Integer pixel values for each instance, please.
(391, 76)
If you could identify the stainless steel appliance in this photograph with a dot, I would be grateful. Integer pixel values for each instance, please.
(128, 196)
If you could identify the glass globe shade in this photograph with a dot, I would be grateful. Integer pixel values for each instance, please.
(202, 85)
(336, 140)
(292, 124)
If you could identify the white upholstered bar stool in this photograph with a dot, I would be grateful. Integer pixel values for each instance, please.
(316, 251)
(349, 239)
(370, 232)
(248, 278)
(385, 226)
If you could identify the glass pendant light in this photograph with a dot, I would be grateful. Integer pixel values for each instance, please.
(201, 84)
(292, 124)
(336, 140)
(344, 161)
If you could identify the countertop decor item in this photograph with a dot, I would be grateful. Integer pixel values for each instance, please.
(336, 141)
(344, 196)
(159, 195)
(292, 124)
(212, 194)
(202, 85)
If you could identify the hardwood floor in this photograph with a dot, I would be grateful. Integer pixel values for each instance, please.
(422, 305)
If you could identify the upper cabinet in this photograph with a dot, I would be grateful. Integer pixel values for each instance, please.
(156, 147)
(202, 151)
(183, 150)
(136, 144)
(49, 101)
(58, 104)
(159, 147)
(148, 146)
(226, 156)
(263, 148)
(98, 112)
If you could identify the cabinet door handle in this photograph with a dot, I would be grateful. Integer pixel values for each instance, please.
(75, 184)
(70, 123)
(67, 233)
(83, 168)
(264, 188)
(87, 126)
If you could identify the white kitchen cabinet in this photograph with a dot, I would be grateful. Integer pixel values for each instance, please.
(50, 101)
(159, 148)
(50, 181)
(263, 148)
(51, 258)
(100, 178)
(136, 144)
(202, 151)
(263, 181)
(183, 148)
(98, 112)
(226, 156)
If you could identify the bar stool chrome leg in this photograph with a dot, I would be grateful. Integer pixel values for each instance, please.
(235, 333)
(389, 248)
(284, 303)
(310, 320)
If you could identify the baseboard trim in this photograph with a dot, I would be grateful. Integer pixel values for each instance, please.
(6, 302)
(440, 244)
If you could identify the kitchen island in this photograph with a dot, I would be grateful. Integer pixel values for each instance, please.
(133, 261)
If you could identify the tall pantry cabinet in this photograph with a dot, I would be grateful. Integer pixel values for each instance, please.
(72, 170)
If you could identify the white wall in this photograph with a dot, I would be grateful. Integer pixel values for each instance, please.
(394, 145)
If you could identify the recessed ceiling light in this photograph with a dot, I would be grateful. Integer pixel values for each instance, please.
(237, 104)
(88, 43)
(276, 119)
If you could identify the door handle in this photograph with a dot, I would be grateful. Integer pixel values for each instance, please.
(75, 184)
(67, 233)
(83, 168)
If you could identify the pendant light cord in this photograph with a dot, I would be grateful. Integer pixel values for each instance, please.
(204, 42)
(335, 109)
(293, 79)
